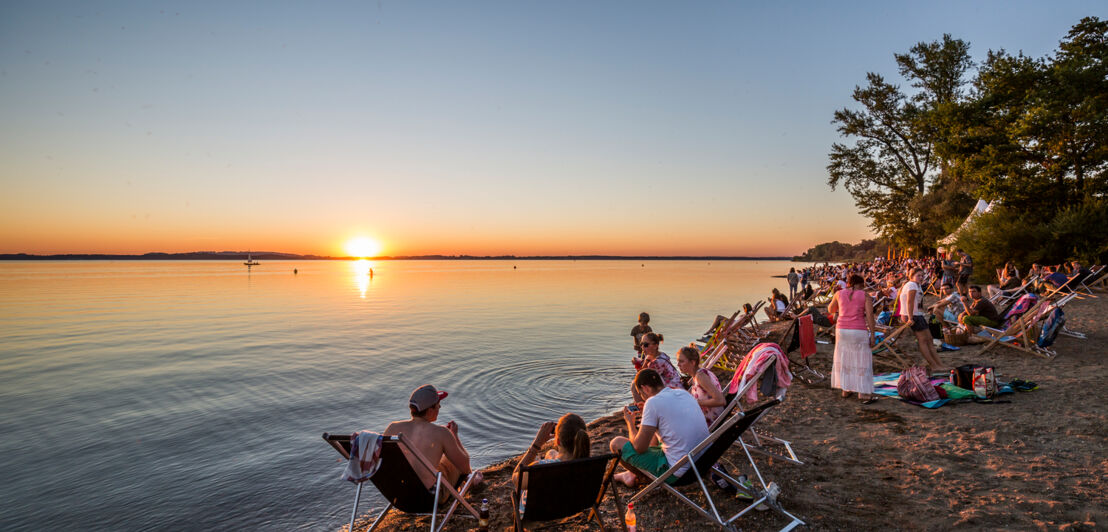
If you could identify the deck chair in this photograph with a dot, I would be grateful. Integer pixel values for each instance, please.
(1006, 296)
(1086, 284)
(791, 342)
(701, 461)
(760, 442)
(563, 489)
(398, 482)
(888, 343)
(1019, 334)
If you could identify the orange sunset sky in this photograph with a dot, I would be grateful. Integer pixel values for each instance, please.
(537, 129)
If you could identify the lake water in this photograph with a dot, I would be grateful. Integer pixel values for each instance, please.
(192, 394)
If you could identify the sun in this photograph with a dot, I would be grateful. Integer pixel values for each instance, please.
(363, 247)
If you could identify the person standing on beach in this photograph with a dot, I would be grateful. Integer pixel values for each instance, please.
(852, 366)
(439, 444)
(965, 271)
(911, 311)
(639, 330)
(794, 279)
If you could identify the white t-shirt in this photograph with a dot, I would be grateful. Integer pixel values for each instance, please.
(679, 421)
(908, 288)
(779, 305)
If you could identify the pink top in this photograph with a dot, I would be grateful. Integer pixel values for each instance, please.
(698, 391)
(852, 310)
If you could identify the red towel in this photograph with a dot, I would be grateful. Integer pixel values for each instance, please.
(807, 336)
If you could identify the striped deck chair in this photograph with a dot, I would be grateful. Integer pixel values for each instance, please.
(1020, 335)
(763, 358)
(887, 345)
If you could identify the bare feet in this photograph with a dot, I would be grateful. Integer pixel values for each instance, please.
(627, 478)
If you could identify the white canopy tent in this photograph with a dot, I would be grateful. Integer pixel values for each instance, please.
(982, 207)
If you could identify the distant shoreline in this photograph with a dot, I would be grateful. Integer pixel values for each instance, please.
(271, 256)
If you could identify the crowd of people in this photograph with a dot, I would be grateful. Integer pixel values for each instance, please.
(674, 404)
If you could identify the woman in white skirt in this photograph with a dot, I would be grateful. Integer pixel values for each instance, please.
(852, 369)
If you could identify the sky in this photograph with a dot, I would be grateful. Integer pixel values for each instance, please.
(480, 128)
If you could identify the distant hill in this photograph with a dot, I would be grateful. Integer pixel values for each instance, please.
(840, 252)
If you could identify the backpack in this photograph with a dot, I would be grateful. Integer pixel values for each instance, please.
(915, 385)
(1051, 327)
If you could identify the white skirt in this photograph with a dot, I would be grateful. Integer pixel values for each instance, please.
(852, 368)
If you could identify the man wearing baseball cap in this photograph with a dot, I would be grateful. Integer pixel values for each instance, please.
(437, 443)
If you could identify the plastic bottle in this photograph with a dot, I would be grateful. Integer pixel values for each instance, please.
(483, 520)
(629, 517)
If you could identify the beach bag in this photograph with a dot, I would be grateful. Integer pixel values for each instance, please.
(915, 385)
(962, 376)
(1051, 327)
(984, 382)
(884, 317)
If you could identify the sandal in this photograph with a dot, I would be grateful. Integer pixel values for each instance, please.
(872, 399)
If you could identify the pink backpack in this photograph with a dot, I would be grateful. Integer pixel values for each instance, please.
(915, 385)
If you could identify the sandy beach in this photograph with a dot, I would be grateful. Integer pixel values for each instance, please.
(1033, 461)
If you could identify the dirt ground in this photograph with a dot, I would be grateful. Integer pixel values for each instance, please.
(1037, 461)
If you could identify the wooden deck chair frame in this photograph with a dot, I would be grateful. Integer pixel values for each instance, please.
(701, 461)
(541, 490)
(888, 343)
(1018, 335)
(759, 440)
(731, 326)
(341, 443)
(1057, 291)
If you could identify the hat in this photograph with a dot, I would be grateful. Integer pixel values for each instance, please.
(425, 397)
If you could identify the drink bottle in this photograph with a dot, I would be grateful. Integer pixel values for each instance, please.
(629, 517)
(483, 520)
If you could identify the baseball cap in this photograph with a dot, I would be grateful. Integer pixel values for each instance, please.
(425, 397)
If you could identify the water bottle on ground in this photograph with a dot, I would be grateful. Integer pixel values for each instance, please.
(629, 517)
(483, 519)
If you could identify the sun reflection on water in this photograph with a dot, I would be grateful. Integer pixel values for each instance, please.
(363, 275)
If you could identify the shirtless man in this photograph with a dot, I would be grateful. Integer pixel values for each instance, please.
(437, 443)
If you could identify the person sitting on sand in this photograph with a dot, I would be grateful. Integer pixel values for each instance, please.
(439, 444)
(571, 441)
(778, 304)
(951, 305)
(703, 384)
(979, 311)
(671, 416)
(655, 359)
(642, 328)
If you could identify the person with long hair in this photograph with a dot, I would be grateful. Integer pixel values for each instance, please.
(852, 366)
(703, 384)
(571, 441)
(656, 360)
(911, 311)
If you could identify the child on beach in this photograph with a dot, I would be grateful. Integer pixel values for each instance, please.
(642, 328)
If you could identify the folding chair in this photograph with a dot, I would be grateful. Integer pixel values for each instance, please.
(1095, 277)
(701, 461)
(888, 343)
(1019, 335)
(563, 489)
(1005, 296)
(742, 382)
(398, 482)
(791, 341)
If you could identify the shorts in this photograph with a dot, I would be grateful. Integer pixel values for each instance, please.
(919, 323)
(963, 277)
(653, 461)
(979, 321)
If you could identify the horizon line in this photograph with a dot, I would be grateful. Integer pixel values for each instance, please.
(273, 255)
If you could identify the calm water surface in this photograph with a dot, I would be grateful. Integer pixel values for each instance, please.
(192, 395)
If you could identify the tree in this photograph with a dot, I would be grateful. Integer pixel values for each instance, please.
(1034, 134)
(892, 164)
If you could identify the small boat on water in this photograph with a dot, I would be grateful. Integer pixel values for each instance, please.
(250, 261)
